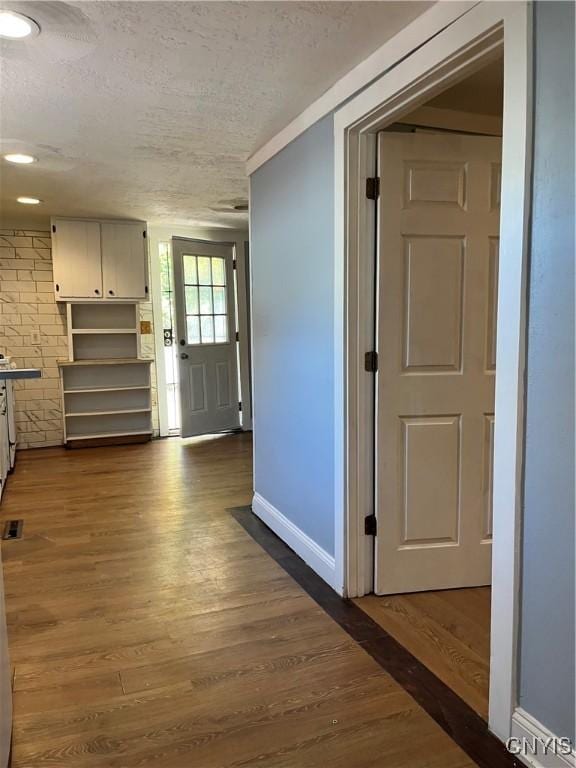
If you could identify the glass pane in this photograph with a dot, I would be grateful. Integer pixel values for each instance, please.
(207, 326)
(164, 253)
(204, 271)
(192, 300)
(221, 328)
(218, 271)
(219, 301)
(206, 301)
(193, 324)
(190, 271)
(166, 312)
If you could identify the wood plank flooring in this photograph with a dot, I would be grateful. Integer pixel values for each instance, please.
(448, 631)
(147, 628)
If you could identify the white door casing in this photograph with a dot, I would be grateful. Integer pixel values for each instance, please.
(436, 341)
(206, 338)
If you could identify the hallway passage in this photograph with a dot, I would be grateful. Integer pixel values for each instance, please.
(147, 628)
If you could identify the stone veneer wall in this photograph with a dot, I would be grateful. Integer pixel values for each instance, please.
(27, 305)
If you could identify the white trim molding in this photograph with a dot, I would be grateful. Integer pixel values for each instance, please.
(469, 43)
(530, 736)
(423, 28)
(312, 554)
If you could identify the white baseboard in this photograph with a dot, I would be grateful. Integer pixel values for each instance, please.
(312, 553)
(524, 726)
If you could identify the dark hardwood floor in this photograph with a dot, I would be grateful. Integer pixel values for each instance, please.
(147, 627)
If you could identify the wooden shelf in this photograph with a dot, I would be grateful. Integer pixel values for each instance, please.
(93, 331)
(95, 390)
(106, 361)
(106, 386)
(120, 433)
(109, 413)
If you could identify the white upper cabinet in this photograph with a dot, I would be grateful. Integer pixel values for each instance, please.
(76, 259)
(124, 260)
(99, 259)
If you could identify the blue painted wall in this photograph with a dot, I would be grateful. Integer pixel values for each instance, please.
(292, 250)
(547, 671)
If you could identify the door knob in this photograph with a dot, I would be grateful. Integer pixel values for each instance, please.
(183, 355)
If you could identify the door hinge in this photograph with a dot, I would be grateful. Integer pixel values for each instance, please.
(373, 188)
(371, 362)
(144, 234)
(240, 406)
(370, 525)
(234, 263)
(53, 227)
(237, 336)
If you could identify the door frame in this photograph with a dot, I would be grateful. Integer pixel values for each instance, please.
(465, 46)
(197, 249)
(239, 238)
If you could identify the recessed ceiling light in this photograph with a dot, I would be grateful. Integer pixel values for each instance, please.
(16, 26)
(20, 159)
(29, 200)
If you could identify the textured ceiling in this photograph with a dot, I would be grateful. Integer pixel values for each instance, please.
(150, 109)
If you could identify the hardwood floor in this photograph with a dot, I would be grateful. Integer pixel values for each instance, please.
(448, 631)
(147, 628)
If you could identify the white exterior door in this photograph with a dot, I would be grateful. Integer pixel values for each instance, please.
(124, 260)
(77, 261)
(437, 294)
(206, 323)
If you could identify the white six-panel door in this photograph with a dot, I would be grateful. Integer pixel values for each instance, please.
(206, 323)
(437, 295)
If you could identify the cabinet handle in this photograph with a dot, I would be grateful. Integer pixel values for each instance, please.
(96, 290)
(111, 292)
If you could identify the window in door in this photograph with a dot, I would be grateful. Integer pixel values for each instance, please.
(205, 297)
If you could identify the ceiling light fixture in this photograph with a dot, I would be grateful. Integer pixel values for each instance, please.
(20, 159)
(29, 200)
(16, 26)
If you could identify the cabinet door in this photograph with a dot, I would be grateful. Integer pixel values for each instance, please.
(124, 260)
(77, 260)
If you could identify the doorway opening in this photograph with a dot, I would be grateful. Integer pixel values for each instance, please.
(436, 271)
(207, 336)
(474, 42)
(167, 289)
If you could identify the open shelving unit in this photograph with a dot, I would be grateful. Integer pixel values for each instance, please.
(106, 387)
